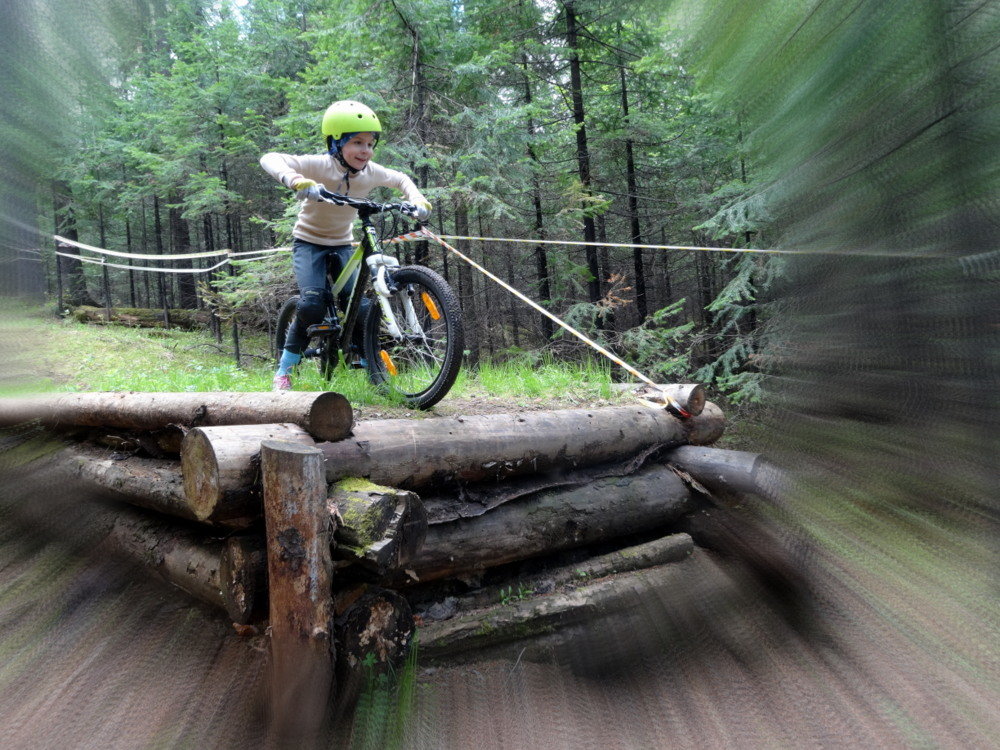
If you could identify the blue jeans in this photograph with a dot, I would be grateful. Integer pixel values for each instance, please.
(309, 264)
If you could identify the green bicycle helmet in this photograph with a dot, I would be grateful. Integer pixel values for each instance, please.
(349, 117)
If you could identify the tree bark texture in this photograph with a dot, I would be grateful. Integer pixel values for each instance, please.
(300, 577)
(151, 483)
(726, 472)
(221, 469)
(666, 549)
(415, 453)
(326, 415)
(552, 520)
(541, 615)
(222, 573)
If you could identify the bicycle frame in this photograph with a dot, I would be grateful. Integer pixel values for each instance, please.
(369, 250)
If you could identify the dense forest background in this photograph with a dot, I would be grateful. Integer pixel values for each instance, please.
(525, 120)
(859, 138)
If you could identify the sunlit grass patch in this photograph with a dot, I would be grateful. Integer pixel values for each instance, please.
(531, 379)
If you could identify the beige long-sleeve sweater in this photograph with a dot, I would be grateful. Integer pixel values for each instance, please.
(325, 223)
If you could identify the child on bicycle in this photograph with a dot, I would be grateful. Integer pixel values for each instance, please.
(324, 229)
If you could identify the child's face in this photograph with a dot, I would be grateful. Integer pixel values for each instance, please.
(358, 150)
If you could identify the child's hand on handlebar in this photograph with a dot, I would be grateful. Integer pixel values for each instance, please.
(305, 189)
(421, 210)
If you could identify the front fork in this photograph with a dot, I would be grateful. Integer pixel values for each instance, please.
(381, 267)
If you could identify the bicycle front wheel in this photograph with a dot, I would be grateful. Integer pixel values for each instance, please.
(416, 350)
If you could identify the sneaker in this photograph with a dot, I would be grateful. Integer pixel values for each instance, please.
(281, 383)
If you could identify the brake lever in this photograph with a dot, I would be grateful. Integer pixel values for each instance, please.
(325, 196)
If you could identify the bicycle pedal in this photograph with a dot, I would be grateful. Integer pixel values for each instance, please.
(322, 328)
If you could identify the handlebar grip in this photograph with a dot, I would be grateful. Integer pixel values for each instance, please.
(420, 213)
(311, 193)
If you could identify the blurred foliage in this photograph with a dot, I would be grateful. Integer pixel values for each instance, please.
(875, 126)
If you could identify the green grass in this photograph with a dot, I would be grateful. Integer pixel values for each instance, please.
(64, 355)
(526, 378)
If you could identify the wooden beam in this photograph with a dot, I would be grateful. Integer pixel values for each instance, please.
(325, 415)
(299, 572)
(412, 453)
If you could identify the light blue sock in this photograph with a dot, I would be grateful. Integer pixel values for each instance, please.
(287, 362)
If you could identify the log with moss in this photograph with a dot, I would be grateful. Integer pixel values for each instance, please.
(378, 527)
(142, 317)
(528, 614)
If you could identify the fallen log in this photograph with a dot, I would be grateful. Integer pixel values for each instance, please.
(729, 472)
(666, 549)
(689, 396)
(142, 317)
(224, 573)
(151, 483)
(378, 527)
(540, 615)
(552, 520)
(410, 453)
(221, 467)
(716, 469)
(325, 415)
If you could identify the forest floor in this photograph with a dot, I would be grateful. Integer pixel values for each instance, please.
(899, 650)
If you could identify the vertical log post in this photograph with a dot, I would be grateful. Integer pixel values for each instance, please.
(236, 328)
(106, 282)
(59, 277)
(299, 570)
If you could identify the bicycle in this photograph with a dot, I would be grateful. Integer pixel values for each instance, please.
(413, 335)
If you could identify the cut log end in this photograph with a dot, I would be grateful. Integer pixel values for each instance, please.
(707, 427)
(330, 417)
(200, 470)
(688, 396)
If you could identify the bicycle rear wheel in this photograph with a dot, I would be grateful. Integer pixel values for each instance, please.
(285, 317)
(420, 359)
(326, 354)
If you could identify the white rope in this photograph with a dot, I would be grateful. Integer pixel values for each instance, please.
(105, 264)
(138, 256)
(590, 342)
(633, 245)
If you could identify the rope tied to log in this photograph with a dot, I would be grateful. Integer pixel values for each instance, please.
(669, 401)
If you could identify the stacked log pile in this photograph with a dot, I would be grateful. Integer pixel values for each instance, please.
(457, 518)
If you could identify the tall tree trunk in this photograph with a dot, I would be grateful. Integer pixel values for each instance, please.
(65, 223)
(582, 150)
(417, 116)
(633, 206)
(131, 274)
(541, 261)
(145, 248)
(180, 235)
(604, 254)
(466, 285)
(161, 284)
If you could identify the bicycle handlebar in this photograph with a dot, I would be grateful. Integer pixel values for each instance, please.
(367, 208)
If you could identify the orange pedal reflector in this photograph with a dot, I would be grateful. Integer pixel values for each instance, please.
(431, 307)
(387, 361)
